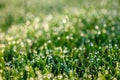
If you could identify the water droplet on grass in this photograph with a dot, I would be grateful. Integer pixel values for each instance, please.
(22, 44)
(49, 41)
(91, 44)
(96, 27)
(58, 38)
(99, 32)
(64, 21)
(105, 25)
(67, 37)
(113, 28)
(82, 34)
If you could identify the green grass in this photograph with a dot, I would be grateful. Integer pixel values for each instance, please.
(60, 41)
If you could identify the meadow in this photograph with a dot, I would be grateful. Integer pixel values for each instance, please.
(59, 40)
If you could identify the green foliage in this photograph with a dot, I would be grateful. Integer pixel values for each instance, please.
(76, 43)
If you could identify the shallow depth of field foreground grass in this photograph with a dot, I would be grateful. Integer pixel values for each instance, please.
(61, 41)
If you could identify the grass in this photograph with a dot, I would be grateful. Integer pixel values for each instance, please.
(61, 42)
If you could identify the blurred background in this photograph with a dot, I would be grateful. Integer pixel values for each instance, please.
(16, 11)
